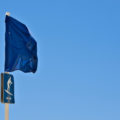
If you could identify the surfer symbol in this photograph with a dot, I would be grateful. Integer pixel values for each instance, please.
(9, 83)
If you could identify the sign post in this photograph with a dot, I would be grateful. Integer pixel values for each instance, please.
(6, 104)
(7, 92)
(6, 111)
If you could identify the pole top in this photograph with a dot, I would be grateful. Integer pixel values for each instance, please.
(7, 13)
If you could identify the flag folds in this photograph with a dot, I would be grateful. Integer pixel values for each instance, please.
(20, 47)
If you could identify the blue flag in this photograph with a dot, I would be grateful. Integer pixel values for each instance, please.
(20, 47)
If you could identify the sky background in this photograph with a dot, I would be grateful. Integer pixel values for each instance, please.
(78, 76)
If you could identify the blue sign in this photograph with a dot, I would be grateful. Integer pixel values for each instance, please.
(7, 88)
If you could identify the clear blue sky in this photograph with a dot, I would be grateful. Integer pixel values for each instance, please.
(78, 76)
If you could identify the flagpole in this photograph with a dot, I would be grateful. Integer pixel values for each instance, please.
(6, 111)
(7, 107)
(7, 104)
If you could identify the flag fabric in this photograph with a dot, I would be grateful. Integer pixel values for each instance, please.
(20, 47)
